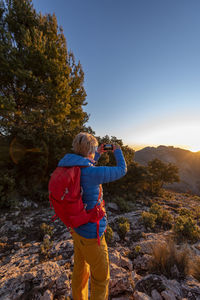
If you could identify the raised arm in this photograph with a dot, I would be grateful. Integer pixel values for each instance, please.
(100, 175)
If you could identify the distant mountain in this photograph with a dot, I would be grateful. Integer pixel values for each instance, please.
(188, 163)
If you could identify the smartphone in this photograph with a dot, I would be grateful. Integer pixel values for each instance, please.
(107, 147)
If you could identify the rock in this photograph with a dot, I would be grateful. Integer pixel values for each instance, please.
(116, 236)
(65, 236)
(26, 203)
(141, 296)
(112, 206)
(150, 241)
(168, 295)
(191, 288)
(135, 277)
(47, 295)
(4, 239)
(24, 276)
(6, 227)
(64, 247)
(47, 275)
(18, 245)
(121, 298)
(149, 283)
(175, 272)
(126, 263)
(155, 295)
(120, 280)
(46, 237)
(152, 282)
(173, 286)
(142, 262)
(114, 257)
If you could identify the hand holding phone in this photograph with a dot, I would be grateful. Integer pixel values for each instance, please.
(107, 147)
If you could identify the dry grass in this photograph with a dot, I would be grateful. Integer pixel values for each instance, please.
(195, 268)
(169, 261)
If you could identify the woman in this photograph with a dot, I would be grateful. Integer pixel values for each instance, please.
(89, 257)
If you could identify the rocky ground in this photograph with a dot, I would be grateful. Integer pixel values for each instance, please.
(36, 262)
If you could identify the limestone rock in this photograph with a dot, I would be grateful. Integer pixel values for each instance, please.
(141, 296)
(120, 280)
(43, 276)
(47, 295)
(124, 262)
(142, 262)
(168, 295)
(155, 295)
(113, 206)
(149, 283)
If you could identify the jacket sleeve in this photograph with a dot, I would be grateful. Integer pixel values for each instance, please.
(100, 175)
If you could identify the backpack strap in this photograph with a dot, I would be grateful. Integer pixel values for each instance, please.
(99, 201)
(98, 238)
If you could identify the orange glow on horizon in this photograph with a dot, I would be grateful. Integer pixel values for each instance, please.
(177, 133)
(140, 147)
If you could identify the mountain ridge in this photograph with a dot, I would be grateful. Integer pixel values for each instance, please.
(187, 161)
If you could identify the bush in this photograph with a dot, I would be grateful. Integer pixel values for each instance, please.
(122, 204)
(186, 228)
(149, 219)
(45, 248)
(135, 252)
(163, 217)
(123, 227)
(46, 229)
(155, 209)
(185, 212)
(7, 189)
(109, 234)
(168, 261)
(122, 220)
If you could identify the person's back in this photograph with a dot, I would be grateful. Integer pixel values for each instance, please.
(88, 255)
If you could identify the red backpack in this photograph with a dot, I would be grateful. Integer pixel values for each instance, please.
(66, 199)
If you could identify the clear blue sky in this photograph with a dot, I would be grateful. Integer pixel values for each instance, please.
(141, 60)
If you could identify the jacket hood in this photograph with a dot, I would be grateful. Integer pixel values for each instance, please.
(71, 160)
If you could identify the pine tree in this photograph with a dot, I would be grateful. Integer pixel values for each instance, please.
(41, 87)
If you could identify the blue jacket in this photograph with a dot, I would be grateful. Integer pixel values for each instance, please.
(91, 178)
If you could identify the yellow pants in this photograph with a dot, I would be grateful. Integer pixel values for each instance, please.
(90, 259)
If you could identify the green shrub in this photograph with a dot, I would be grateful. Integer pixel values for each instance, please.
(163, 217)
(135, 252)
(45, 248)
(122, 220)
(186, 228)
(149, 219)
(7, 189)
(155, 209)
(123, 227)
(122, 204)
(185, 212)
(196, 198)
(46, 229)
(109, 234)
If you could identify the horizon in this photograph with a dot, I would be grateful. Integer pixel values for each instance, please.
(140, 147)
